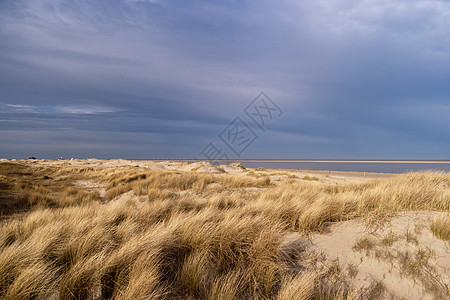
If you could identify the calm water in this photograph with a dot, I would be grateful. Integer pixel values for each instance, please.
(379, 167)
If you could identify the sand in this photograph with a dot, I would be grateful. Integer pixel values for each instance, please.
(384, 262)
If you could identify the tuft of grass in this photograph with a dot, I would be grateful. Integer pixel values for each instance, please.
(365, 243)
(389, 239)
(310, 178)
(440, 226)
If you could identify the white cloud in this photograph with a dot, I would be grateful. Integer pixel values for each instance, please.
(82, 109)
(57, 109)
(19, 108)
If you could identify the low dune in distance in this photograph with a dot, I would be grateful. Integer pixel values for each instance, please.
(123, 229)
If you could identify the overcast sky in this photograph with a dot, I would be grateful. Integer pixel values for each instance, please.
(163, 78)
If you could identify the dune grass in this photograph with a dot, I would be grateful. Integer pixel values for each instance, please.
(440, 226)
(185, 235)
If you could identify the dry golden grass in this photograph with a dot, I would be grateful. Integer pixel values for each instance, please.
(309, 177)
(149, 182)
(187, 235)
(441, 226)
(309, 206)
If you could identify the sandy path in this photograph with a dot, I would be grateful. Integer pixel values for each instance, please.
(387, 260)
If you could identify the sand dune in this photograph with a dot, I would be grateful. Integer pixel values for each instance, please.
(124, 229)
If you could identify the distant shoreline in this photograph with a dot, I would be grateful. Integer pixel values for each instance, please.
(397, 161)
(355, 161)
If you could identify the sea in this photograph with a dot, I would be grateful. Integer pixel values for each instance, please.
(354, 166)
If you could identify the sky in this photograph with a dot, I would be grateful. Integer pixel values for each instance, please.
(168, 78)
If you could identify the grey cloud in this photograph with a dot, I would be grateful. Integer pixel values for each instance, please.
(343, 71)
